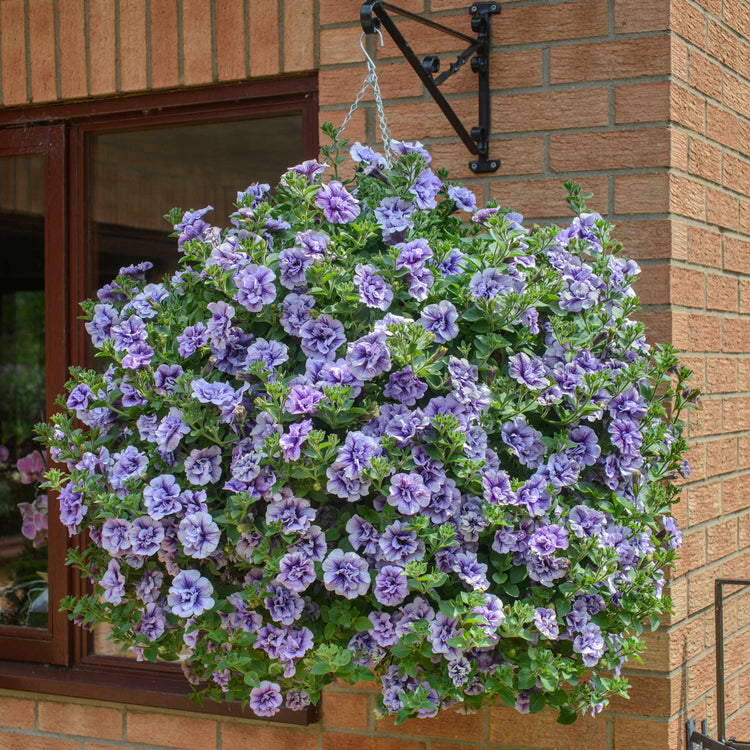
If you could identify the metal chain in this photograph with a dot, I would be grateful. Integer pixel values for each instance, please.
(371, 81)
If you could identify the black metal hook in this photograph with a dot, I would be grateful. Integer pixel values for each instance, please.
(374, 16)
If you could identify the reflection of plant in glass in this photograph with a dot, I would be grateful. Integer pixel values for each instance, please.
(22, 380)
(356, 437)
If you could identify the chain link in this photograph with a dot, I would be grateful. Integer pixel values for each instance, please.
(371, 81)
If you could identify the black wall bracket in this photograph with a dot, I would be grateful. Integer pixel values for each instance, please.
(374, 16)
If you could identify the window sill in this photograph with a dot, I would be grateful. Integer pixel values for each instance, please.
(116, 685)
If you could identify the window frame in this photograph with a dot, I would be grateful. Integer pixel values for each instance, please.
(61, 660)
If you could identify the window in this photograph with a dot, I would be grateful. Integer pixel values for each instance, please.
(83, 191)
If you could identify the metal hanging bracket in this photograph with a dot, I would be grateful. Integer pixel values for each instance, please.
(374, 16)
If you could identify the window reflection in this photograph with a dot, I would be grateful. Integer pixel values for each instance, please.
(138, 176)
(23, 505)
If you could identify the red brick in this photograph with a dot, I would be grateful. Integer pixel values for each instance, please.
(196, 42)
(552, 110)
(652, 287)
(705, 160)
(722, 44)
(641, 15)
(679, 147)
(72, 49)
(736, 255)
(704, 247)
(721, 539)
(722, 375)
(540, 730)
(132, 45)
(692, 553)
(610, 60)
(647, 193)
(340, 46)
(333, 741)
(640, 733)
(299, 31)
(13, 51)
(703, 331)
(163, 43)
(264, 38)
(340, 11)
(736, 13)
(101, 47)
(42, 48)
(547, 22)
(721, 126)
(14, 741)
(687, 287)
(515, 69)
(425, 119)
(736, 414)
(705, 75)
(396, 80)
(345, 710)
(610, 150)
(16, 713)
(722, 209)
(642, 102)
(171, 730)
(735, 94)
(244, 736)
(687, 197)
(540, 198)
(448, 724)
(704, 502)
(688, 109)
(736, 174)
(721, 293)
(689, 22)
(644, 238)
(744, 307)
(679, 52)
(84, 720)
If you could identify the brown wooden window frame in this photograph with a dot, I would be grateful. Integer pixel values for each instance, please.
(61, 660)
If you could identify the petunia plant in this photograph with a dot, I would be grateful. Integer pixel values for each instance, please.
(372, 431)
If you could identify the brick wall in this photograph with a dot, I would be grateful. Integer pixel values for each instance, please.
(646, 103)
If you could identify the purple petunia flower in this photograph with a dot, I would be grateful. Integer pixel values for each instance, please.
(145, 535)
(294, 513)
(293, 263)
(405, 387)
(346, 574)
(426, 189)
(440, 320)
(339, 206)
(255, 287)
(283, 604)
(72, 509)
(590, 644)
(462, 197)
(497, 488)
(413, 255)
(199, 534)
(203, 466)
(291, 442)
(113, 583)
(190, 594)
(400, 545)
(296, 312)
(303, 399)
(170, 431)
(310, 169)
(490, 283)
(296, 571)
(393, 214)
(265, 700)
(128, 464)
(114, 536)
(391, 585)
(529, 371)
(408, 493)
(369, 356)
(374, 290)
(545, 621)
(162, 497)
(525, 442)
(322, 337)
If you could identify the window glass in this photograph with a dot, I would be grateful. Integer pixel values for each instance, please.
(138, 176)
(23, 505)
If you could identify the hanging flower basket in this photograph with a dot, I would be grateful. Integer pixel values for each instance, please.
(370, 431)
